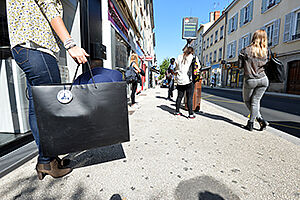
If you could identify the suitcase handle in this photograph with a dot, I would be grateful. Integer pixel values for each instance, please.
(90, 70)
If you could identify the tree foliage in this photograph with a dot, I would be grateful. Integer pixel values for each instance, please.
(163, 68)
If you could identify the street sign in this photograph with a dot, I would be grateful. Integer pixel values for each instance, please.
(189, 27)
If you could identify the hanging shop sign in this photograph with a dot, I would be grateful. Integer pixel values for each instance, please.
(116, 19)
(189, 27)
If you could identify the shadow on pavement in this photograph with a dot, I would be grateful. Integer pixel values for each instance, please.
(96, 156)
(203, 188)
(167, 108)
(209, 196)
(160, 97)
(218, 117)
(32, 188)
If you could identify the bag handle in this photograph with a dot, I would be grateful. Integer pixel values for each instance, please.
(90, 70)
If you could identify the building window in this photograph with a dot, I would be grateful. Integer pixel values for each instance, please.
(272, 30)
(233, 24)
(215, 56)
(211, 40)
(216, 36)
(297, 31)
(246, 14)
(220, 54)
(267, 4)
(206, 59)
(221, 32)
(244, 41)
(231, 50)
(210, 57)
(204, 45)
(207, 44)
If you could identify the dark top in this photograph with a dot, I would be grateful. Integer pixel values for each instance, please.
(100, 75)
(253, 66)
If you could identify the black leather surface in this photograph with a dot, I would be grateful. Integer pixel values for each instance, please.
(94, 118)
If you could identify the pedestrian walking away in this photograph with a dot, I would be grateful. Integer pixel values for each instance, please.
(170, 78)
(184, 77)
(134, 64)
(35, 49)
(253, 59)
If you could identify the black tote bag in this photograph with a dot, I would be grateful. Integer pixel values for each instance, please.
(275, 70)
(73, 118)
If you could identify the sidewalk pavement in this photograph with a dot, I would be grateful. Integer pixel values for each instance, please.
(172, 157)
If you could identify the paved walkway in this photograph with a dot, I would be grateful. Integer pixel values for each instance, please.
(172, 157)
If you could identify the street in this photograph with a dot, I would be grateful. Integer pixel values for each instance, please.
(172, 157)
(283, 113)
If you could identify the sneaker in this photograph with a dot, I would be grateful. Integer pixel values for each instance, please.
(177, 113)
(192, 116)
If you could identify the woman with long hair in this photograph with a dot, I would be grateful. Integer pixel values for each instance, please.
(253, 58)
(185, 83)
(134, 63)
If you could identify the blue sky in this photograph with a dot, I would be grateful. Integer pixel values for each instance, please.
(168, 16)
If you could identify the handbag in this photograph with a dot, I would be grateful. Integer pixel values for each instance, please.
(274, 69)
(130, 75)
(74, 118)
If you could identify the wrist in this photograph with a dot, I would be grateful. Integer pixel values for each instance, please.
(69, 43)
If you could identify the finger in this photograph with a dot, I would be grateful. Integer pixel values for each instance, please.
(85, 53)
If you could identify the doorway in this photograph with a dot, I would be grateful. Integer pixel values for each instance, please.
(293, 83)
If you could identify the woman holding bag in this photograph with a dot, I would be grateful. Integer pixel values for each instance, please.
(253, 59)
(33, 29)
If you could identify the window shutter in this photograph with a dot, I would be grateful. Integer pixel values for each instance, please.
(276, 32)
(288, 28)
(277, 1)
(236, 21)
(229, 26)
(234, 49)
(240, 44)
(242, 17)
(251, 10)
(249, 39)
(263, 6)
(228, 51)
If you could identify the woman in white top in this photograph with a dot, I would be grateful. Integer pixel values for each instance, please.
(184, 79)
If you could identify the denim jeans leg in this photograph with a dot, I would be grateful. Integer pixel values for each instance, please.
(40, 68)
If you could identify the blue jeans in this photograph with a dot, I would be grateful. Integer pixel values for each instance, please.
(40, 68)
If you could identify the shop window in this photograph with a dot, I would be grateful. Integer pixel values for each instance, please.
(268, 4)
(246, 14)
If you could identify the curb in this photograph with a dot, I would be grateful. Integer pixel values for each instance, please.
(277, 94)
(272, 130)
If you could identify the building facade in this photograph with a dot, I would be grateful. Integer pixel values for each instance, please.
(213, 49)
(280, 19)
